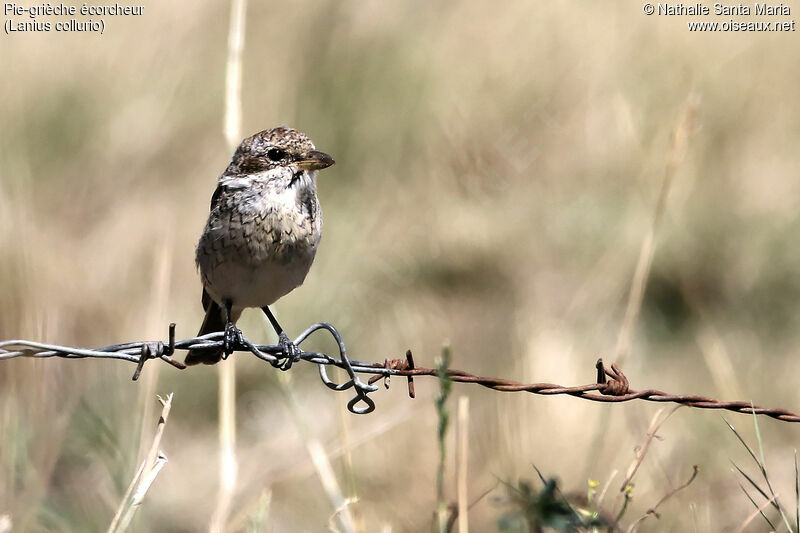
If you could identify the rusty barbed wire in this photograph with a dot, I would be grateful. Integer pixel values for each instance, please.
(611, 385)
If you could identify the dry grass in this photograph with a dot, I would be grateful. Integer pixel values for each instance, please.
(145, 476)
(497, 168)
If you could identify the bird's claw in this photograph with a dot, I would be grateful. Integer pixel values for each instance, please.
(290, 351)
(232, 339)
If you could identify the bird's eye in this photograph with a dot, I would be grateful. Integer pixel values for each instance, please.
(275, 154)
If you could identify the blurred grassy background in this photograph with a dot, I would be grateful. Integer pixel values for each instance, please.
(497, 170)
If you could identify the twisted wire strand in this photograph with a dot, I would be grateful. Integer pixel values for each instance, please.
(611, 385)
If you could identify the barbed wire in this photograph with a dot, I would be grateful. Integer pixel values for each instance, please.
(611, 385)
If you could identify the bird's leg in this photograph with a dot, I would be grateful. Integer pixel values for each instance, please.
(233, 336)
(289, 349)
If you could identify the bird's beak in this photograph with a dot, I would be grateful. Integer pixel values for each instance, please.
(315, 160)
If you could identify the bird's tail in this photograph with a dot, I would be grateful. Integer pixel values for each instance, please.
(213, 322)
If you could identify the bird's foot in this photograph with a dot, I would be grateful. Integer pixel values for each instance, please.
(290, 351)
(233, 338)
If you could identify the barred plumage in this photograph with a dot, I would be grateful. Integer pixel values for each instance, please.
(263, 230)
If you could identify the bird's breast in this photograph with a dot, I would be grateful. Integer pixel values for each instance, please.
(255, 249)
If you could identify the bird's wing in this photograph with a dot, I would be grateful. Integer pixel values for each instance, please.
(216, 196)
(229, 184)
(206, 299)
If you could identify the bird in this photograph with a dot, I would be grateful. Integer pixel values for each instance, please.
(261, 235)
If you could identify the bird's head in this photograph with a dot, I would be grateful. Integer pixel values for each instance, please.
(285, 156)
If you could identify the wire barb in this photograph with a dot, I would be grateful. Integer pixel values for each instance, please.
(618, 386)
(157, 350)
(611, 384)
